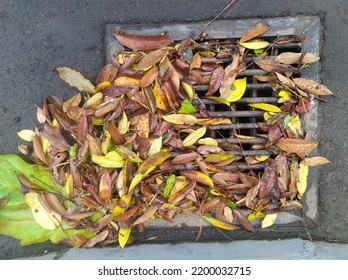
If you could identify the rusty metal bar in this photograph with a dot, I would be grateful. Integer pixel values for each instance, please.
(251, 153)
(230, 114)
(231, 167)
(234, 126)
(258, 140)
(242, 100)
(264, 86)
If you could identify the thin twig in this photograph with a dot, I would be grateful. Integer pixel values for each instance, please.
(210, 22)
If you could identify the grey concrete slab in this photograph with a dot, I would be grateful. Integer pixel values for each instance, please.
(37, 36)
(291, 249)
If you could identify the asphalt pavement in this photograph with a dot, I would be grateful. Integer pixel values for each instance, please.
(38, 36)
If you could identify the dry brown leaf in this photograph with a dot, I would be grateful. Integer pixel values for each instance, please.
(269, 179)
(293, 58)
(96, 239)
(75, 79)
(297, 146)
(216, 80)
(285, 81)
(149, 77)
(196, 61)
(270, 65)
(3, 201)
(147, 215)
(243, 220)
(184, 158)
(312, 87)
(143, 42)
(256, 30)
(315, 161)
(152, 58)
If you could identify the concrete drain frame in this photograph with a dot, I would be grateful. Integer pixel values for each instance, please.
(291, 222)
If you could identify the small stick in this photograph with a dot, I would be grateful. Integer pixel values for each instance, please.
(210, 22)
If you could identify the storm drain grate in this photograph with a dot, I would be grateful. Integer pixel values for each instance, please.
(296, 34)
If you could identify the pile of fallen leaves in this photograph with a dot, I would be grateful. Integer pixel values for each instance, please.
(134, 146)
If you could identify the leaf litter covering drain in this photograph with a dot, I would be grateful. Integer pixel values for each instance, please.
(208, 127)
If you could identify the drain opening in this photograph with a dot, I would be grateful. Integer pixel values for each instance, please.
(302, 34)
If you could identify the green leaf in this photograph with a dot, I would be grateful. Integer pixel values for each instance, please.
(218, 223)
(169, 185)
(16, 219)
(162, 70)
(237, 90)
(287, 120)
(187, 107)
(188, 55)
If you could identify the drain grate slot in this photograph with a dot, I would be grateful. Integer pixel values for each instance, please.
(289, 34)
(243, 117)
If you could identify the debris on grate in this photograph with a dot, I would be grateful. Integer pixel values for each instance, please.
(209, 128)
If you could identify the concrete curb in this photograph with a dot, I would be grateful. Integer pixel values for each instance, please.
(289, 249)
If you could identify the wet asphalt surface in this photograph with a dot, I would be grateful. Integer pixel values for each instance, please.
(38, 36)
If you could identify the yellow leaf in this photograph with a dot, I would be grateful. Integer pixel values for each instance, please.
(26, 134)
(48, 220)
(123, 125)
(180, 119)
(302, 179)
(127, 154)
(269, 220)
(198, 176)
(159, 96)
(45, 144)
(135, 181)
(194, 136)
(284, 96)
(94, 101)
(315, 161)
(207, 53)
(123, 236)
(126, 82)
(118, 210)
(102, 85)
(218, 223)
(110, 160)
(255, 45)
(266, 107)
(244, 136)
(218, 157)
(106, 143)
(267, 115)
(69, 185)
(180, 183)
(75, 79)
(216, 192)
(238, 89)
(218, 99)
(188, 90)
(284, 93)
(261, 158)
(295, 125)
(208, 141)
(213, 121)
(151, 163)
(155, 146)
